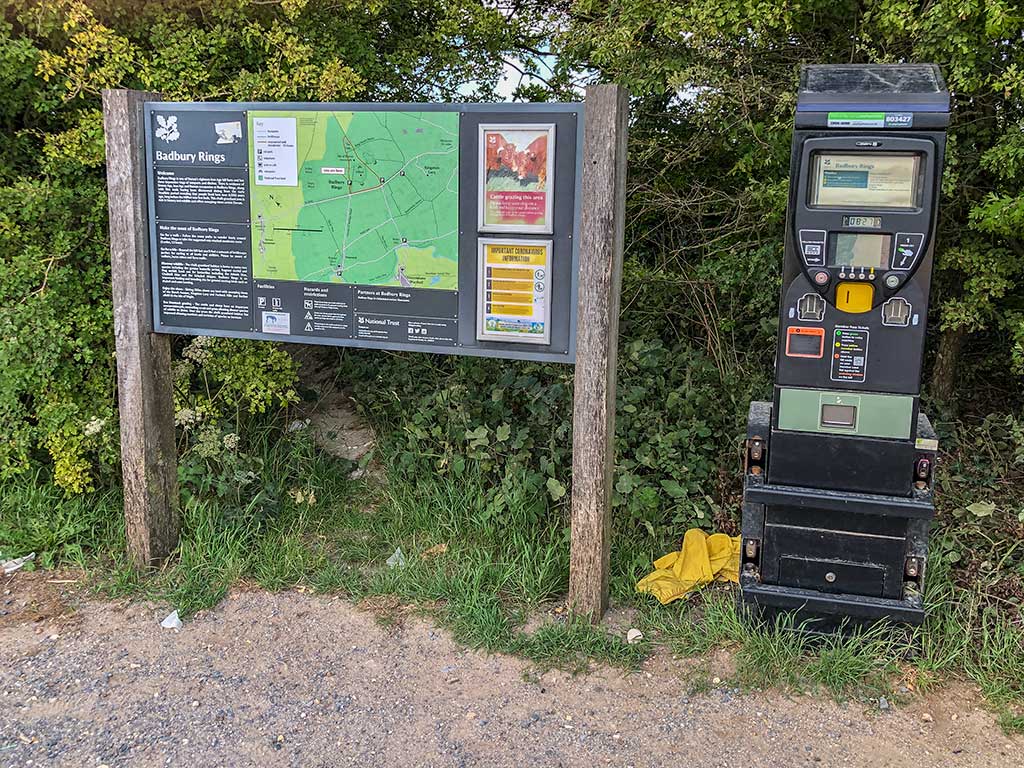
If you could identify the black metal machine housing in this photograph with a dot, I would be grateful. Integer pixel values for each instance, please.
(839, 466)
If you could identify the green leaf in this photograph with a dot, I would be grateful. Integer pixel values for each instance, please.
(982, 508)
(503, 432)
(480, 433)
(625, 484)
(555, 489)
(673, 488)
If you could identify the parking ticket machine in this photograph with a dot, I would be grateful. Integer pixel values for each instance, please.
(838, 472)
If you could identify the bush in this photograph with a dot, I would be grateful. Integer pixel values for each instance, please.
(57, 379)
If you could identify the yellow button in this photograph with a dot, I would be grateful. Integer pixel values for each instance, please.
(854, 297)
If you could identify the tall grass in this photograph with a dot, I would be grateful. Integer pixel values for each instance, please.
(484, 575)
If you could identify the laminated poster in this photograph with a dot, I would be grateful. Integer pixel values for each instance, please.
(516, 178)
(514, 285)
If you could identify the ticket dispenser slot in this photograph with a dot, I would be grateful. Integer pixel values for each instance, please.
(839, 503)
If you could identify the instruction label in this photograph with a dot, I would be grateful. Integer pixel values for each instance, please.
(849, 354)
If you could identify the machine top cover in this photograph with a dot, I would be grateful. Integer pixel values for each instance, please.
(918, 87)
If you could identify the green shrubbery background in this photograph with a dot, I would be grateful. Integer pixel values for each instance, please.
(713, 95)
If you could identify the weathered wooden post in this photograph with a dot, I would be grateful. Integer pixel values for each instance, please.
(602, 221)
(145, 394)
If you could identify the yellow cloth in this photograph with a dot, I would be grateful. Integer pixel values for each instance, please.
(701, 560)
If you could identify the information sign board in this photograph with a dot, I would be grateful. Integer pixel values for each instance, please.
(369, 225)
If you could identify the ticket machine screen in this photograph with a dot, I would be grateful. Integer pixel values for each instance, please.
(850, 249)
(871, 180)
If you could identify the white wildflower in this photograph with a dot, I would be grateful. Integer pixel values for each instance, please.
(198, 349)
(94, 427)
(186, 417)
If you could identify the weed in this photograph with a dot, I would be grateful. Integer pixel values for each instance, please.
(482, 575)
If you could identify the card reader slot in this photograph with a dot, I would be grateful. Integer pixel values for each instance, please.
(877, 525)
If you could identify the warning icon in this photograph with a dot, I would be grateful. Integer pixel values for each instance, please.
(309, 326)
(309, 316)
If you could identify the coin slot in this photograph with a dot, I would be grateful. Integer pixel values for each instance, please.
(810, 308)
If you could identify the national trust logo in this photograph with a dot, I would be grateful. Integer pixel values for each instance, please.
(167, 128)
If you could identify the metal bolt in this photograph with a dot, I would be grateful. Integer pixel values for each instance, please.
(830, 577)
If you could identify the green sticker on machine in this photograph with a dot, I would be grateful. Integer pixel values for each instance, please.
(870, 119)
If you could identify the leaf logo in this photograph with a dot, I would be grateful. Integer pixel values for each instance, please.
(167, 128)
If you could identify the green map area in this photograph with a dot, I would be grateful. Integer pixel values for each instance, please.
(376, 201)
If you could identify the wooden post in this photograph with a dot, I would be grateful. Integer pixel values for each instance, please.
(145, 393)
(600, 256)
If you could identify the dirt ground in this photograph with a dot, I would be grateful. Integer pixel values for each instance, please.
(292, 679)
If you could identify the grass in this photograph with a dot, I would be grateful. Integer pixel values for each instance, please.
(484, 577)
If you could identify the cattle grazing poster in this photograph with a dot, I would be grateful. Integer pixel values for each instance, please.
(517, 178)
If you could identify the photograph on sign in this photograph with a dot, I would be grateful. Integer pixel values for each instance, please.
(514, 281)
(516, 178)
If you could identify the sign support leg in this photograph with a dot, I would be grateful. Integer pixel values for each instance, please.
(601, 235)
(145, 390)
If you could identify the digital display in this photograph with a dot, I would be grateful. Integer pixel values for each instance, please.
(853, 250)
(863, 222)
(872, 180)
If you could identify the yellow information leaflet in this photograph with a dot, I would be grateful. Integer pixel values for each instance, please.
(514, 282)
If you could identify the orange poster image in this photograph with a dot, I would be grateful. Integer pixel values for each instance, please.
(516, 178)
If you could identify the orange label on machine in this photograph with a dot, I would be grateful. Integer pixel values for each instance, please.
(805, 342)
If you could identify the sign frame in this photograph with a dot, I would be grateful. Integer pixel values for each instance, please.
(547, 227)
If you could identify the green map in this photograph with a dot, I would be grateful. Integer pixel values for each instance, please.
(366, 198)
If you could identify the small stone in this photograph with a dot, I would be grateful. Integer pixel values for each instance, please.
(716, 680)
(927, 718)
(470, 715)
(883, 703)
(634, 636)
(954, 716)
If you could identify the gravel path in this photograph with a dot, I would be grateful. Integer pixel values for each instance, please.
(295, 680)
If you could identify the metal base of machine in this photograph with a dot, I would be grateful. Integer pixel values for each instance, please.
(831, 559)
(808, 610)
